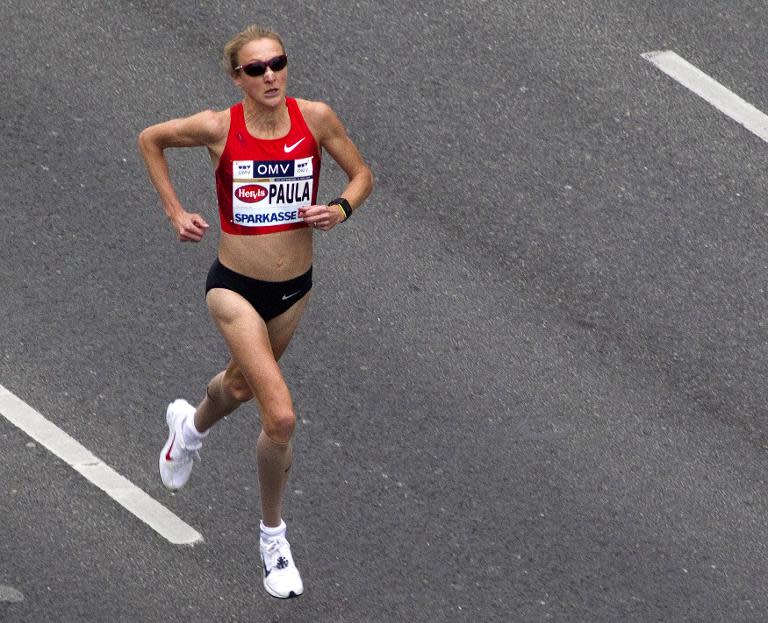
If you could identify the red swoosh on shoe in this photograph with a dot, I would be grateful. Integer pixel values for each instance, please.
(168, 454)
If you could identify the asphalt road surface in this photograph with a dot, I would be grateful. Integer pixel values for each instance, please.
(531, 381)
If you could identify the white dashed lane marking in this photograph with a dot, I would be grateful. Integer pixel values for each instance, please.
(727, 102)
(77, 456)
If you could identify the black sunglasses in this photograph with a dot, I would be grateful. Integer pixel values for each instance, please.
(259, 68)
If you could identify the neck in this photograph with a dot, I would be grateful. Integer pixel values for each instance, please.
(266, 118)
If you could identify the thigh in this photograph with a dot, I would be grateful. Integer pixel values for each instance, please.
(280, 330)
(248, 339)
(282, 327)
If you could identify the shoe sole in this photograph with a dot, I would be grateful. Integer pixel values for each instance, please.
(291, 595)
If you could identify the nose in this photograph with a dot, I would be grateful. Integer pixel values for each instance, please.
(269, 75)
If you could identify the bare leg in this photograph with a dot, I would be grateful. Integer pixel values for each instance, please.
(274, 462)
(225, 393)
(255, 348)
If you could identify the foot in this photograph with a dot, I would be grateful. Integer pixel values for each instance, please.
(281, 577)
(176, 456)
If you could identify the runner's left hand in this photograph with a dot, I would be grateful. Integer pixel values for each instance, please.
(321, 216)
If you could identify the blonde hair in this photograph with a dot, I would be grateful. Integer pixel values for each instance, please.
(235, 44)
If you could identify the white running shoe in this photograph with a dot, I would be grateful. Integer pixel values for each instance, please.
(176, 456)
(281, 577)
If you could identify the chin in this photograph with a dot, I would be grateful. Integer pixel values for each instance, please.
(273, 100)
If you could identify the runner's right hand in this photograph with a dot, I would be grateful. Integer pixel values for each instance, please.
(189, 227)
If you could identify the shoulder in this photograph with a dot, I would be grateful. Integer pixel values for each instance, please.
(315, 111)
(210, 125)
(205, 128)
(320, 118)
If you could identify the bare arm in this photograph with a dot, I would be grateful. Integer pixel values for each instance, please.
(332, 136)
(205, 129)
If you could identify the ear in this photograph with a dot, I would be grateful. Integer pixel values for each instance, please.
(237, 79)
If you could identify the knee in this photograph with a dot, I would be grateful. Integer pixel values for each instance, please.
(235, 386)
(279, 425)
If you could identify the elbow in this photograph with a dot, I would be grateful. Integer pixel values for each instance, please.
(143, 140)
(147, 141)
(368, 181)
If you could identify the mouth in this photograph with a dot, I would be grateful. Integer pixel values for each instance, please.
(271, 92)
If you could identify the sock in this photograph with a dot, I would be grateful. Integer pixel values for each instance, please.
(192, 437)
(267, 532)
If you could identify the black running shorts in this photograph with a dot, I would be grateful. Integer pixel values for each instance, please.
(269, 298)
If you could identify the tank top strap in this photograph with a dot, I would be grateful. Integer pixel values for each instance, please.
(297, 119)
(236, 117)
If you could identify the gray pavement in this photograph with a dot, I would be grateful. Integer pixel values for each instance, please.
(530, 380)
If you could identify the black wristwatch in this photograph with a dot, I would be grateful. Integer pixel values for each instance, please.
(344, 206)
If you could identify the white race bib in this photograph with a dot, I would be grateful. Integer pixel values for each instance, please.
(268, 193)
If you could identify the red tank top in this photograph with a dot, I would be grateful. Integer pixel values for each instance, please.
(262, 183)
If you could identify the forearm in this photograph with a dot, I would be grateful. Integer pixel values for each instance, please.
(358, 188)
(159, 174)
